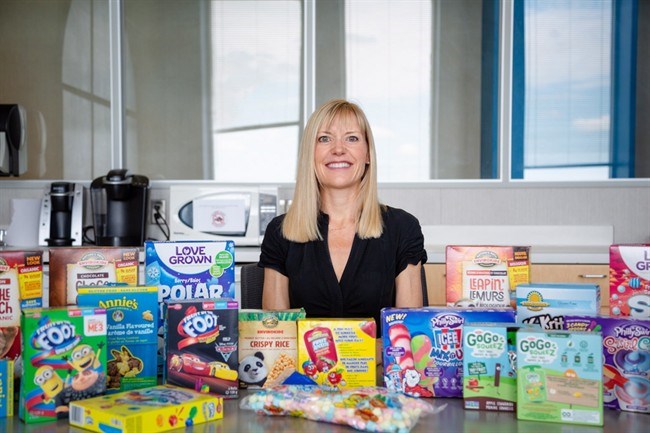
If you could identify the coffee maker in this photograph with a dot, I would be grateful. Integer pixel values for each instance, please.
(119, 202)
(61, 216)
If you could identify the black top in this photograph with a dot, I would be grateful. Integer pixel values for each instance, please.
(368, 281)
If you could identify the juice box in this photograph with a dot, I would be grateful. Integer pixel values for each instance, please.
(64, 360)
(626, 352)
(485, 275)
(423, 347)
(6, 388)
(546, 305)
(202, 339)
(629, 280)
(490, 366)
(132, 336)
(560, 376)
(338, 353)
(154, 409)
(268, 346)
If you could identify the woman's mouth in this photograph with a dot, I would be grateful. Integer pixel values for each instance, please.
(338, 165)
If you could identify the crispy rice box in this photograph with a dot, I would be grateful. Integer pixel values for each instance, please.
(629, 280)
(64, 360)
(132, 337)
(626, 352)
(201, 349)
(21, 286)
(74, 267)
(268, 346)
(154, 409)
(423, 347)
(485, 275)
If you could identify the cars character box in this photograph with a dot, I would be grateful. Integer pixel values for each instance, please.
(64, 360)
(202, 345)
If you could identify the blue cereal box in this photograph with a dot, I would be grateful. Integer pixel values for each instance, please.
(6, 388)
(545, 305)
(560, 376)
(132, 337)
(489, 366)
(423, 347)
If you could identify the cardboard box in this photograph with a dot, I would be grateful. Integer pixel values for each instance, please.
(629, 280)
(485, 275)
(545, 305)
(154, 409)
(6, 388)
(560, 376)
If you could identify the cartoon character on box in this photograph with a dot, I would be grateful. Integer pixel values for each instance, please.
(323, 357)
(252, 369)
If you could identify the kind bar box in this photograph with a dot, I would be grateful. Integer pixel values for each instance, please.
(268, 346)
(545, 305)
(629, 280)
(132, 336)
(489, 366)
(423, 347)
(559, 376)
(338, 353)
(202, 345)
(21, 286)
(485, 276)
(6, 388)
(626, 352)
(64, 360)
(74, 267)
(155, 409)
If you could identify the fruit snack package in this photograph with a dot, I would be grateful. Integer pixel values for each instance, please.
(629, 280)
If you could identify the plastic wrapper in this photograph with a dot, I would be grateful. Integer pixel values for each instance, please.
(373, 409)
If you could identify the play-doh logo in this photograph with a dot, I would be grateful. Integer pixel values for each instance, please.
(55, 337)
(485, 344)
(198, 327)
(447, 344)
(93, 260)
(538, 349)
(486, 259)
(534, 301)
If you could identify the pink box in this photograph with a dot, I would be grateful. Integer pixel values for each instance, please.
(629, 280)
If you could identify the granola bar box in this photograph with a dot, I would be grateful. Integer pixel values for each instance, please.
(629, 280)
(154, 409)
(201, 351)
(64, 360)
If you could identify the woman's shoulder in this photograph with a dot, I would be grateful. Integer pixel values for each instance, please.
(396, 216)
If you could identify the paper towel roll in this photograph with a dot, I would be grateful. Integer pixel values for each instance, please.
(25, 215)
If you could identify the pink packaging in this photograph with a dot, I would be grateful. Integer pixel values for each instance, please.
(629, 280)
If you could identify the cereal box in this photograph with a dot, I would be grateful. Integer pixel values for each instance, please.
(626, 352)
(268, 346)
(546, 305)
(423, 347)
(6, 388)
(154, 409)
(338, 353)
(74, 267)
(132, 336)
(21, 286)
(64, 360)
(202, 345)
(485, 276)
(629, 280)
(560, 376)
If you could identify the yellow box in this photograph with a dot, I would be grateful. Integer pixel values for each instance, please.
(338, 353)
(154, 409)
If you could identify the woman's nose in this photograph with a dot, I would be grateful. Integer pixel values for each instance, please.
(338, 146)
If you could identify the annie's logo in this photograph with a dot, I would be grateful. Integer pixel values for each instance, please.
(535, 301)
(93, 260)
(486, 259)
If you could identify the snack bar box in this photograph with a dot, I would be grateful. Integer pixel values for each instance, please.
(626, 352)
(423, 347)
(629, 280)
(560, 376)
(154, 409)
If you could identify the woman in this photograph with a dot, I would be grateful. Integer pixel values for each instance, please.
(338, 252)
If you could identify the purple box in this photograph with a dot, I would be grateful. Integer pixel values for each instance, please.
(626, 354)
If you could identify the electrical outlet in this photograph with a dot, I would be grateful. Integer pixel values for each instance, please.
(158, 206)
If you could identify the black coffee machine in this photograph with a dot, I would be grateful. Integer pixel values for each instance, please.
(119, 203)
(61, 215)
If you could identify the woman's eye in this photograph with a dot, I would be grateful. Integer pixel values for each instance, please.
(323, 139)
(353, 138)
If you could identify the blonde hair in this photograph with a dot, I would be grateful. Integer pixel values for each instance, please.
(301, 221)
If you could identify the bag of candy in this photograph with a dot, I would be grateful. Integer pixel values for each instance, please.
(373, 409)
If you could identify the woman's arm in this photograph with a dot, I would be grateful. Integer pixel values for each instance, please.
(275, 295)
(408, 285)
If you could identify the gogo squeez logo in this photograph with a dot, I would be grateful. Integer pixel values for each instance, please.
(485, 344)
(539, 350)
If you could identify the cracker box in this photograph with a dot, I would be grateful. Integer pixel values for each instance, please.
(64, 360)
(202, 345)
(489, 366)
(268, 346)
(132, 336)
(74, 267)
(626, 352)
(484, 275)
(154, 409)
(6, 388)
(560, 376)
(423, 347)
(338, 353)
(21, 286)
(629, 280)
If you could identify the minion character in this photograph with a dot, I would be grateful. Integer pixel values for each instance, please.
(83, 357)
(49, 382)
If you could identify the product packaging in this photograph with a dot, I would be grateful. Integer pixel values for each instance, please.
(629, 280)
(6, 388)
